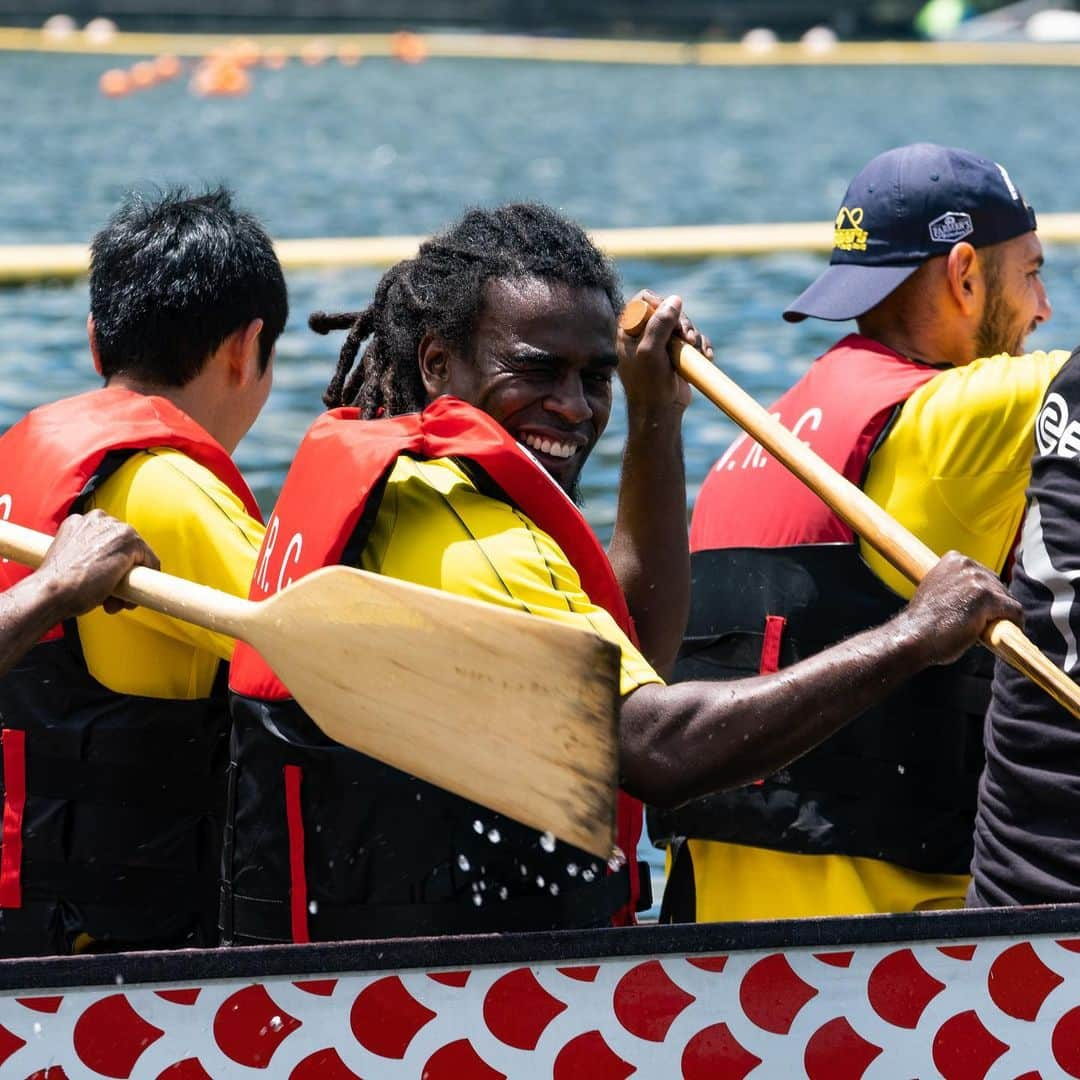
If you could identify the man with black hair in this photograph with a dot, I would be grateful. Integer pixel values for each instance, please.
(116, 728)
(485, 384)
(937, 259)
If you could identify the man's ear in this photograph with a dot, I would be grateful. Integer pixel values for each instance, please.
(965, 278)
(434, 359)
(91, 336)
(244, 355)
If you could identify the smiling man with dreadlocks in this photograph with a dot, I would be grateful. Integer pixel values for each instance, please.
(487, 375)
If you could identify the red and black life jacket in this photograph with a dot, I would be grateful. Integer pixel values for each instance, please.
(113, 803)
(326, 843)
(778, 577)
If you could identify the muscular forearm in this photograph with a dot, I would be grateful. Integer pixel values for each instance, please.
(691, 739)
(28, 610)
(649, 545)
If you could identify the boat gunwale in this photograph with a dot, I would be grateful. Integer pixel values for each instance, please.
(564, 947)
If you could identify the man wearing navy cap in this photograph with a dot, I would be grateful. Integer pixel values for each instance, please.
(935, 256)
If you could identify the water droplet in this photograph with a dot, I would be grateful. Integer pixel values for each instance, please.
(617, 860)
(313, 907)
(539, 881)
(900, 769)
(494, 835)
(588, 874)
(478, 826)
(276, 1023)
(553, 888)
(477, 899)
(504, 892)
(463, 863)
(571, 869)
(547, 841)
(37, 1027)
(119, 980)
(524, 870)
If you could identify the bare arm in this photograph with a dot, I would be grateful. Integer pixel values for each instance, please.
(648, 549)
(694, 738)
(85, 563)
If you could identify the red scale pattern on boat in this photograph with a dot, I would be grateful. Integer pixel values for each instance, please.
(450, 978)
(111, 1036)
(41, 1004)
(715, 1052)
(323, 1065)
(458, 1061)
(188, 1069)
(249, 1027)
(517, 1009)
(964, 1050)
(588, 1057)
(180, 997)
(836, 1051)
(647, 1002)
(1019, 982)
(385, 1017)
(899, 989)
(1065, 1042)
(772, 994)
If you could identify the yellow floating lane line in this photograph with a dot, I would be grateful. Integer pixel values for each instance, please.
(24, 263)
(571, 50)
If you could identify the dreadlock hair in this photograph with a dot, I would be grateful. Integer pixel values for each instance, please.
(441, 291)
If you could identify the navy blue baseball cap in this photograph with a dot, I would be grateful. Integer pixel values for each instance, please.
(906, 206)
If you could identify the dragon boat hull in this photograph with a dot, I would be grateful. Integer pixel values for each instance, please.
(954, 994)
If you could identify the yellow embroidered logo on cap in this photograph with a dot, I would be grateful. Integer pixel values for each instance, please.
(848, 236)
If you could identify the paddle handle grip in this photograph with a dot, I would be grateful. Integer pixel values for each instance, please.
(174, 596)
(879, 529)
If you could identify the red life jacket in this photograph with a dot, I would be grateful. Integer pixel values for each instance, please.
(137, 783)
(313, 523)
(777, 578)
(48, 458)
(841, 408)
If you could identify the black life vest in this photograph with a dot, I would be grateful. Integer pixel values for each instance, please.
(326, 843)
(777, 577)
(1027, 836)
(113, 804)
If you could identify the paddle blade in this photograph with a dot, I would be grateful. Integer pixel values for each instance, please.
(511, 711)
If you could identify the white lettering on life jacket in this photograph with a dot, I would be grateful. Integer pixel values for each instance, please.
(5, 512)
(294, 547)
(756, 457)
(262, 577)
(1052, 433)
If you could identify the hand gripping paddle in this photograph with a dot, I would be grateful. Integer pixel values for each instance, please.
(880, 530)
(509, 710)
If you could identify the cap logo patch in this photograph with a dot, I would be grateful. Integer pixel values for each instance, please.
(951, 227)
(848, 236)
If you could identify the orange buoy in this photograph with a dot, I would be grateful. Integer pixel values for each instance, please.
(349, 54)
(408, 47)
(115, 83)
(167, 66)
(314, 52)
(220, 78)
(245, 52)
(275, 58)
(143, 75)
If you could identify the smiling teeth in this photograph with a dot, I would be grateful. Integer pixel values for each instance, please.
(546, 446)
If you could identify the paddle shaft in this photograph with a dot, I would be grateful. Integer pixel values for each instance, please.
(174, 596)
(879, 529)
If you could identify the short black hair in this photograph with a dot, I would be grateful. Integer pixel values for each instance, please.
(172, 276)
(442, 291)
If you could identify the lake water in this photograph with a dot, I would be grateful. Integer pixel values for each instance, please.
(385, 148)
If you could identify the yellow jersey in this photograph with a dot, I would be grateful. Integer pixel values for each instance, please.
(199, 530)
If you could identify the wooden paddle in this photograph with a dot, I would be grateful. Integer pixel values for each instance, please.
(514, 712)
(881, 531)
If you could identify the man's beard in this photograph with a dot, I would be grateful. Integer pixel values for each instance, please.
(1000, 331)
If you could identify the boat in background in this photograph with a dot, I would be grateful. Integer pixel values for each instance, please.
(957, 994)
